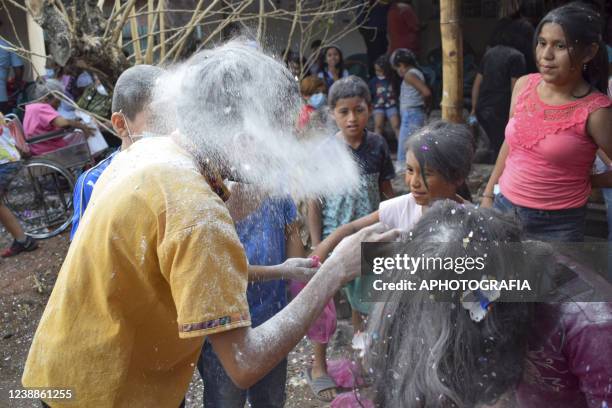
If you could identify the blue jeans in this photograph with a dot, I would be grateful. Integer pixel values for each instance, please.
(220, 391)
(7, 172)
(546, 225)
(412, 120)
(607, 194)
(387, 112)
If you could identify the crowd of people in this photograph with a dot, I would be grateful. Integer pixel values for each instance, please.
(179, 260)
(58, 114)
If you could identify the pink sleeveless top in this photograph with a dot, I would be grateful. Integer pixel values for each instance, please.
(550, 153)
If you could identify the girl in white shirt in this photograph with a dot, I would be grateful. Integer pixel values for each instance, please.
(438, 161)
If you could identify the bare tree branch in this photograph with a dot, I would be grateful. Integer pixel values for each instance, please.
(151, 22)
(135, 33)
(19, 6)
(81, 36)
(10, 19)
(22, 52)
(181, 42)
(112, 18)
(119, 28)
(260, 19)
(162, 23)
(292, 30)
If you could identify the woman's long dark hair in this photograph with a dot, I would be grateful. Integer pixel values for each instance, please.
(582, 26)
(428, 353)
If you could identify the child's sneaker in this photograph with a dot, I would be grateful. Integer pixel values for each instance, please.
(18, 247)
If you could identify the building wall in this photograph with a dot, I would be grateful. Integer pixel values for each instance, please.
(352, 43)
(21, 27)
(476, 31)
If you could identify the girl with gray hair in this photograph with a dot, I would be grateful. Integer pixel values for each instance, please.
(439, 159)
(481, 348)
(428, 353)
(41, 117)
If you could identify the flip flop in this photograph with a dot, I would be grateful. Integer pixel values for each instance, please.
(318, 385)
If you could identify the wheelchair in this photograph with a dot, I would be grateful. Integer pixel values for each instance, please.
(40, 194)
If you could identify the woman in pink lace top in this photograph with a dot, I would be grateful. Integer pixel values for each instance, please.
(559, 117)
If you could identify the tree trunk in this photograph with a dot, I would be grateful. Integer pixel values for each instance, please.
(76, 37)
(56, 27)
(452, 60)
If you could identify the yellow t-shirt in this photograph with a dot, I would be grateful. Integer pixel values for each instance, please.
(154, 267)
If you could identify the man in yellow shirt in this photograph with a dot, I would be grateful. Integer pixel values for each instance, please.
(156, 266)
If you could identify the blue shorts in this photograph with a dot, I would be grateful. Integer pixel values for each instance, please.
(7, 172)
(388, 112)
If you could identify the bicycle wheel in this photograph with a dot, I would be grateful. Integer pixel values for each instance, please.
(40, 196)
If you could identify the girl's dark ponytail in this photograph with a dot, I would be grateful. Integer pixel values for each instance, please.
(596, 72)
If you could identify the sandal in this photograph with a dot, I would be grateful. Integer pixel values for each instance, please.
(321, 384)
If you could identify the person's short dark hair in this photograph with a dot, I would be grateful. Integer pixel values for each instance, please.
(315, 44)
(294, 57)
(134, 89)
(403, 56)
(508, 38)
(349, 87)
(382, 61)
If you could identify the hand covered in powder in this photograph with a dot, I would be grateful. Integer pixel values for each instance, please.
(300, 269)
(346, 258)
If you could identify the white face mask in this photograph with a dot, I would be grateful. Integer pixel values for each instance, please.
(101, 90)
(125, 120)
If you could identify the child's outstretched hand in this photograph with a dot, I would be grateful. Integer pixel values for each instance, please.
(300, 269)
(346, 258)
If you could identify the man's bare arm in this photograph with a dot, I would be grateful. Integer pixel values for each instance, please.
(248, 354)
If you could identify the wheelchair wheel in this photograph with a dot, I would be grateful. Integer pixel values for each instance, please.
(40, 195)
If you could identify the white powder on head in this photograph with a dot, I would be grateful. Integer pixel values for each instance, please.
(236, 108)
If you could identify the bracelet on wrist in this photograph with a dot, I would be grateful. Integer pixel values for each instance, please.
(491, 196)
